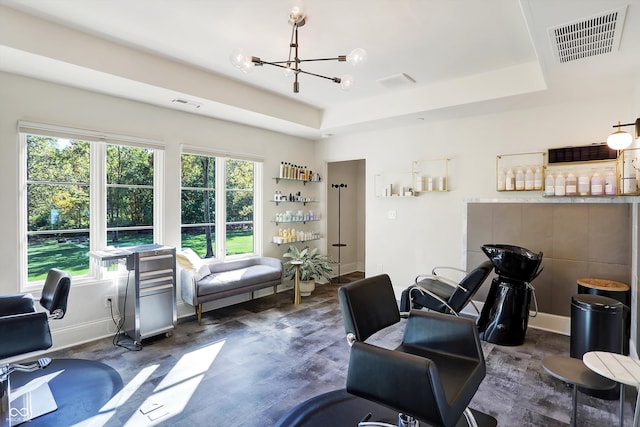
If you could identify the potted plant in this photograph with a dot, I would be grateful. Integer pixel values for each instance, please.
(314, 266)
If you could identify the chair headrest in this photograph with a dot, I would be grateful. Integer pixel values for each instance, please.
(368, 305)
(55, 292)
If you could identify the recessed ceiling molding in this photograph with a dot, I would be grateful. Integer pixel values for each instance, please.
(516, 80)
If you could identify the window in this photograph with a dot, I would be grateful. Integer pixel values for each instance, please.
(129, 195)
(219, 205)
(58, 196)
(82, 194)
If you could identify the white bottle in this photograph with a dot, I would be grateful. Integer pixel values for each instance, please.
(597, 184)
(584, 183)
(537, 178)
(571, 185)
(510, 182)
(559, 185)
(519, 179)
(528, 179)
(502, 177)
(610, 187)
(549, 185)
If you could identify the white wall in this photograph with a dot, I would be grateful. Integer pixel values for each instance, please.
(23, 98)
(429, 229)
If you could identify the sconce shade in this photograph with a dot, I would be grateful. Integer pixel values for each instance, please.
(619, 140)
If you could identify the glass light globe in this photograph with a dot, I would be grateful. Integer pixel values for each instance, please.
(357, 57)
(619, 140)
(347, 81)
(237, 57)
(288, 71)
(297, 12)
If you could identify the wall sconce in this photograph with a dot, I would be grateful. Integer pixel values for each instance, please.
(619, 140)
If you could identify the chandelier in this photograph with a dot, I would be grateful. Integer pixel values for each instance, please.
(292, 65)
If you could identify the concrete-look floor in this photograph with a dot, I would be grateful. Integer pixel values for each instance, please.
(249, 364)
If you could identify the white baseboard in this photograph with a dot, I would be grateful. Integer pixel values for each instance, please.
(542, 321)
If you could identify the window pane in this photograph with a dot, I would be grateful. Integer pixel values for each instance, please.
(239, 206)
(239, 174)
(198, 171)
(57, 207)
(200, 239)
(198, 206)
(57, 160)
(129, 165)
(120, 238)
(67, 251)
(127, 207)
(239, 238)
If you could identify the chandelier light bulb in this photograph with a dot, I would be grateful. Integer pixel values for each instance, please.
(347, 82)
(288, 71)
(357, 57)
(241, 60)
(297, 12)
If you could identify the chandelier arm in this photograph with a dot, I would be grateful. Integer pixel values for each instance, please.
(333, 79)
(340, 58)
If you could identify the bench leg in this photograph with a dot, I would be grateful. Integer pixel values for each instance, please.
(275, 293)
(199, 314)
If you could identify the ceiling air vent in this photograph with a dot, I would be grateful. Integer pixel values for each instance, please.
(396, 81)
(588, 37)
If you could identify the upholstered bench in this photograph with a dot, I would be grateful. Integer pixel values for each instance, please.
(203, 282)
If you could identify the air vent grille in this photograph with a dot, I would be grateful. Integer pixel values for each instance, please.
(588, 37)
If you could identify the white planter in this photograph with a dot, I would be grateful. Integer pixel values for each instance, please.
(306, 287)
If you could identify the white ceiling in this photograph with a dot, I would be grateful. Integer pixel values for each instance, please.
(466, 56)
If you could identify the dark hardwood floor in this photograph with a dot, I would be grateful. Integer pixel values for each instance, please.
(249, 364)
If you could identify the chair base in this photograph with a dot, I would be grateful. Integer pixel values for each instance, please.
(340, 409)
(31, 404)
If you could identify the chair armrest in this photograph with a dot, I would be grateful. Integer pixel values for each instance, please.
(24, 333)
(443, 333)
(16, 304)
(444, 267)
(188, 286)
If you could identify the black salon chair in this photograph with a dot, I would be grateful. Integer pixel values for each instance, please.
(438, 293)
(24, 330)
(434, 373)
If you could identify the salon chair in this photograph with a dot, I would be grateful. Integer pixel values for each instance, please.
(434, 373)
(438, 293)
(24, 330)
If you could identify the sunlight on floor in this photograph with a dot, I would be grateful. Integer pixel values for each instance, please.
(175, 390)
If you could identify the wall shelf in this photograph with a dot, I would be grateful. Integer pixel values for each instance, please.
(531, 166)
(430, 175)
(303, 181)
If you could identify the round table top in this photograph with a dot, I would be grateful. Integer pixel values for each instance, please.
(603, 284)
(295, 262)
(574, 371)
(617, 367)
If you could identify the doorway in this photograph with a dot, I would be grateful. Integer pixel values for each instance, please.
(346, 216)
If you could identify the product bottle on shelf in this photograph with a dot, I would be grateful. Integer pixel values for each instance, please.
(537, 178)
(610, 187)
(549, 185)
(560, 185)
(502, 176)
(597, 184)
(519, 179)
(510, 182)
(571, 184)
(528, 179)
(584, 184)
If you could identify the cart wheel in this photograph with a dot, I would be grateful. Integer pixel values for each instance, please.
(168, 334)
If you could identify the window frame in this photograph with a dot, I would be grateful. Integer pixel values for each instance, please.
(97, 190)
(220, 194)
